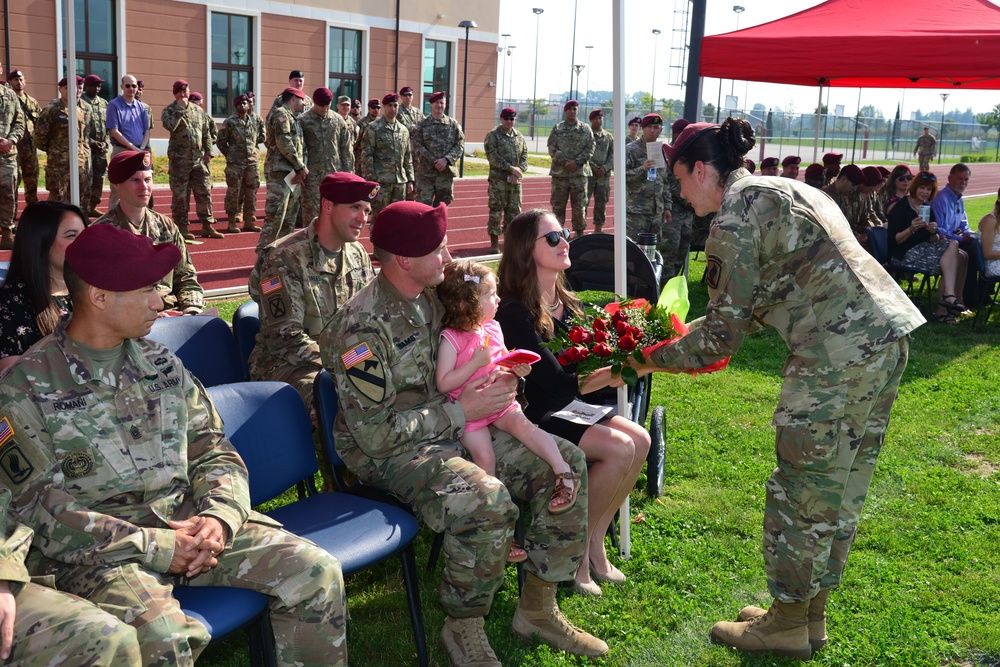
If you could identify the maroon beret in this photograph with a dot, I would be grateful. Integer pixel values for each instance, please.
(179, 85)
(635, 121)
(356, 104)
(196, 97)
(390, 98)
(92, 80)
(62, 81)
(769, 162)
(832, 158)
(853, 173)
(439, 95)
(815, 170)
(127, 163)
(651, 119)
(751, 167)
(14, 73)
(675, 150)
(239, 99)
(410, 229)
(322, 96)
(571, 103)
(343, 187)
(679, 125)
(406, 90)
(882, 170)
(250, 94)
(373, 103)
(596, 113)
(294, 91)
(791, 159)
(115, 259)
(872, 176)
(140, 84)
(508, 114)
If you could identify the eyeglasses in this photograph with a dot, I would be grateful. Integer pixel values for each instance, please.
(407, 94)
(129, 85)
(553, 238)
(906, 177)
(928, 177)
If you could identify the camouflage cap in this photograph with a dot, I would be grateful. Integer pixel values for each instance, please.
(410, 229)
(343, 99)
(115, 259)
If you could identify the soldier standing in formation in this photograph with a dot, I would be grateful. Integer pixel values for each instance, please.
(99, 141)
(296, 80)
(409, 115)
(374, 107)
(239, 141)
(52, 136)
(634, 127)
(27, 156)
(328, 148)
(649, 199)
(385, 155)
(601, 164)
(344, 109)
(438, 144)
(508, 156)
(926, 149)
(677, 233)
(571, 145)
(11, 131)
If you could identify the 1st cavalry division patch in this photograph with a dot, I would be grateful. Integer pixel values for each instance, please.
(365, 372)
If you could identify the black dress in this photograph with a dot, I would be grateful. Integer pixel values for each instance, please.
(18, 328)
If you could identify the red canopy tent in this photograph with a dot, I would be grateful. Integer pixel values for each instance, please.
(866, 44)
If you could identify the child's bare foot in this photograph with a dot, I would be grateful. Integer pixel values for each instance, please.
(564, 494)
(517, 553)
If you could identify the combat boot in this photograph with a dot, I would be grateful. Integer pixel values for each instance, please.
(188, 236)
(464, 639)
(538, 614)
(6, 239)
(234, 224)
(816, 618)
(782, 630)
(208, 232)
(251, 225)
(494, 244)
(598, 229)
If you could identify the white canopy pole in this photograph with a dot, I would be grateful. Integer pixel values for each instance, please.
(71, 102)
(819, 110)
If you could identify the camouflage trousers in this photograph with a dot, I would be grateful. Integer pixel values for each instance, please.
(636, 223)
(675, 243)
(475, 512)
(186, 178)
(280, 209)
(925, 161)
(310, 196)
(390, 193)
(599, 188)
(8, 193)
(435, 187)
(57, 182)
(574, 190)
(27, 164)
(830, 431)
(505, 205)
(307, 606)
(53, 629)
(98, 169)
(242, 183)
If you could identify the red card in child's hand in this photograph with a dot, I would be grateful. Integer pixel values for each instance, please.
(515, 357)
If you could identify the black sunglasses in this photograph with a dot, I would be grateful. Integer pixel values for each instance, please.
(906, 177)
(553, 238)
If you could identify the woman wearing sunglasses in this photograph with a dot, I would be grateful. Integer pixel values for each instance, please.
(534, 302)
(915, 242)
(897, 185)
(782, 255)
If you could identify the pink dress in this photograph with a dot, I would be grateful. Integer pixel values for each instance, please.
(466, 343)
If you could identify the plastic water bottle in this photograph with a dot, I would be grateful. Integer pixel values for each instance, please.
(925, 213)
(651, 174)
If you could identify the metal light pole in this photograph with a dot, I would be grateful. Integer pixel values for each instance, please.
(652, 87)
(510, 52)
(739, 10)
(534, 94)
(944, 98)
(572, 51)
(503, 77)
(578, 69)
(590, 50)
(465, 86)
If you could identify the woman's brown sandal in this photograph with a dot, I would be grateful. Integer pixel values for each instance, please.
(564, 497)
(517, 554)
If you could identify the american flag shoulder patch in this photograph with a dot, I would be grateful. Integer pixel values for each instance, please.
(6, 430)
(270, 285)
(356, 355)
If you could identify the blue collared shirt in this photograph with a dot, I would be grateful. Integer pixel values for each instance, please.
(129, 119)
(949, 209)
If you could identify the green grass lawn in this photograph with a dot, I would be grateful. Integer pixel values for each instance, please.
(923, 585)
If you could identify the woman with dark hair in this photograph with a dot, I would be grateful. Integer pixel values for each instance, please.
(534, 302)
(33, 296)
(915, 242)
(990, 240)
(781, 254)
(896, 185)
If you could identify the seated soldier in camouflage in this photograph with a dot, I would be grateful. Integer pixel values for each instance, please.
(117, 459)
(397, 432)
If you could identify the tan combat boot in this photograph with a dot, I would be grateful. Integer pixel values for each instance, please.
(234, 224)
(782, 630)
(6, 239)
(538, 614)
(188, 236)
(464, 639)
(208, 231)
(251, 225)
(494, 244)
(816, 618)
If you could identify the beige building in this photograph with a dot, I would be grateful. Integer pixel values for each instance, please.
(360, 48)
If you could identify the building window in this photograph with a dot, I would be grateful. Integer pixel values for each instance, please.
(232, 60)
(437, 69)
(344, 77)
(96, 42)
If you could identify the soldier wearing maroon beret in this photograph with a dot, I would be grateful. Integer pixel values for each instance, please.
(239, 141)
(303, 279)
(601, 164)
(507, 154)
(438, 144)
(790, 166)
(769, 166)
(815, 175)
(571, 145)
(633, 130)
(409, 113)
(831, 163)
(329, 147)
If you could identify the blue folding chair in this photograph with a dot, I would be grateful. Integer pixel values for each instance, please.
(246, 324)
(878, 238)
(270, 428)
(3, 270)
(225, 610)
(204, 344)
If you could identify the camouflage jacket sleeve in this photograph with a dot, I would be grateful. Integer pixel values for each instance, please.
(408, 161)
(282, 128)
(15, 538)
(456, 149)
(494, 154)
(222, 141)
(261, 130)
(366, 154)
(13, 118)
(186, 288)
(171, 116)
(345, 146)
(43, 128)
(418, 142)
(283, 331)
(635, 156)
(609, 160)
(209, 133)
